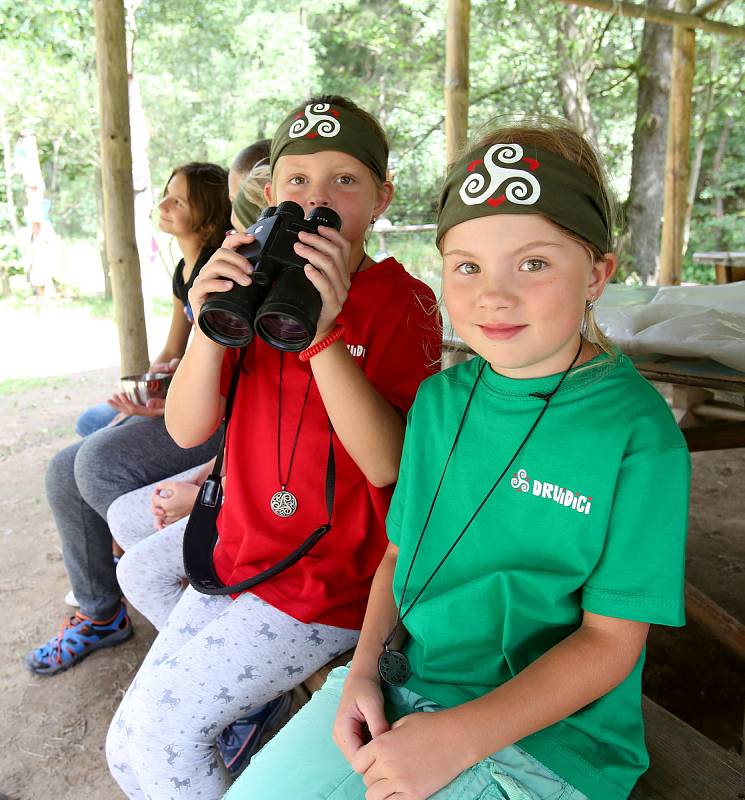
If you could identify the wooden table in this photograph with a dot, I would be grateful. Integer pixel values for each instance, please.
(708, 399)
(728, 266)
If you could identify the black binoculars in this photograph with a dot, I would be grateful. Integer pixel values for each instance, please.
(280, 304)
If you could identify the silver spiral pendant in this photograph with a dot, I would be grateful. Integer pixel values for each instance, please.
(283, 503)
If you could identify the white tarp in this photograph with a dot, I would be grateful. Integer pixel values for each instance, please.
(684, 321)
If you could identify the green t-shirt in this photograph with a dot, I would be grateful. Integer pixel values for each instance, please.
(592, 515)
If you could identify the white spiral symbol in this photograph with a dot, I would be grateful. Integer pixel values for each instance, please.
(522, 187)
(316, 114)
(520, 481)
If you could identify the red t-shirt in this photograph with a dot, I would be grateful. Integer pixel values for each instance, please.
(394, 335)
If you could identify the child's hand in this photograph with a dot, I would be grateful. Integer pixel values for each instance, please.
(360, 715)
(327, 253)
(416, 758)
(155, 407)
(225, 268)
(171, 501)
(167, 367)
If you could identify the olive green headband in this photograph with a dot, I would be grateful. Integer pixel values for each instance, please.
(501, 179)
(245, 210)
(321, 126)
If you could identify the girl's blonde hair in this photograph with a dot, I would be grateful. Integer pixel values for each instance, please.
(560, 137)
(252, 186)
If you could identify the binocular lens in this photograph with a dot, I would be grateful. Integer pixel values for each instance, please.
(283, 332)
(225, 327)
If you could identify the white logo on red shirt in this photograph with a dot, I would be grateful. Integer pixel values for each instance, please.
(357, 350)
(551, 491)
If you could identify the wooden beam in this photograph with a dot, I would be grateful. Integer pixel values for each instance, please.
(456, 77)
(118, 194)
(622, 8)
(677, 163)
(707, 6)
(723, 626)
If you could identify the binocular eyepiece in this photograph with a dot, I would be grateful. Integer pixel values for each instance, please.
(281, 305)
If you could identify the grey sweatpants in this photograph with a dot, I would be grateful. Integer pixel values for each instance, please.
(85, 478)
(214, 660)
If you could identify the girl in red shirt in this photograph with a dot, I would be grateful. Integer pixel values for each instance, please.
(376, 339)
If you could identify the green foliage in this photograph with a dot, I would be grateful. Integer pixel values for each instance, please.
(215, 76)
(10, 256)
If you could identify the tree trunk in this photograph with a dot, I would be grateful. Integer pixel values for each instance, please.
(641, 241)
(116, 173)
(456, 77)
(677, 161)
(140, 139)
(702, 114)
(11, 212)
(716, 168)
(101, 237)
(576, 62)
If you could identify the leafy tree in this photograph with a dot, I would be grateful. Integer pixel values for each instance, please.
(215, 76)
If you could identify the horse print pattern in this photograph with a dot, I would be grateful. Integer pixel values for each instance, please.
(211, 663)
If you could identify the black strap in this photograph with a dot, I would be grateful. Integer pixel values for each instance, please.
(200, 536)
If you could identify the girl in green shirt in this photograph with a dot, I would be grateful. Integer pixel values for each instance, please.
(537, 527)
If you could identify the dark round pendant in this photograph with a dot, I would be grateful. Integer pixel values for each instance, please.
(394, 667)
(283, 504)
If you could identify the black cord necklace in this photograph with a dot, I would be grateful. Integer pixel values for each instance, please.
(284, 503)
(393, 665)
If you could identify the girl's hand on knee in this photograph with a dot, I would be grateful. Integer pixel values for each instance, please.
(360, 715)
(327, 253)
(412, 761)
(225, 268)
(171, 501)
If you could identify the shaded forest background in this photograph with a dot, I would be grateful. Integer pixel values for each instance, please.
(210, 77)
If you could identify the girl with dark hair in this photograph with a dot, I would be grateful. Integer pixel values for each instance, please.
(85, 478)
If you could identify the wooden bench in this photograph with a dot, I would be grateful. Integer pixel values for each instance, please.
(685, 765)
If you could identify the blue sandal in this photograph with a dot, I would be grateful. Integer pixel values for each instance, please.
(78, 637)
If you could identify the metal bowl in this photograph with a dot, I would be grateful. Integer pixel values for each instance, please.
(148, 386)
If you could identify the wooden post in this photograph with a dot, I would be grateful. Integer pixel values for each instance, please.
(118, 194)
(677, 163)
(456, 77)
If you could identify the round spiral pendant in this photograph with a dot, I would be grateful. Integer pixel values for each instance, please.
(283, 503)
(394, 667)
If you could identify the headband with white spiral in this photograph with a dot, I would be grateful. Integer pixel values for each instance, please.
(323, 126)
(503, 179)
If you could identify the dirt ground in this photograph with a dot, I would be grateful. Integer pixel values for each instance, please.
(52, 730)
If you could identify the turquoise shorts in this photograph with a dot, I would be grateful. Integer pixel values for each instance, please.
(303, 763)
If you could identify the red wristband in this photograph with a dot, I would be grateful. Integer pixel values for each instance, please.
(314, 350)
